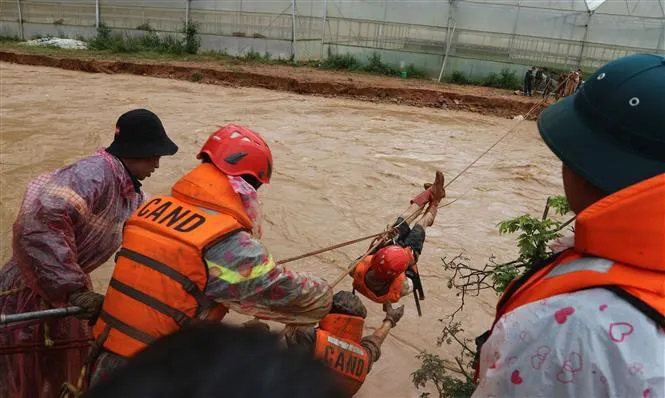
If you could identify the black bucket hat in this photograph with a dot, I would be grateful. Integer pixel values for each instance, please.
(140, 134)
(612, 131)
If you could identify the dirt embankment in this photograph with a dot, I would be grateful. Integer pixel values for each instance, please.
(303, 80)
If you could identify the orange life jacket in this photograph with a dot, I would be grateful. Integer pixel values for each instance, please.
(394, 292)
(160, 275)
(619, 246)
(338, 345)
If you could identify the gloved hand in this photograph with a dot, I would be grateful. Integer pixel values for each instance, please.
(91, 303)
(393, 315)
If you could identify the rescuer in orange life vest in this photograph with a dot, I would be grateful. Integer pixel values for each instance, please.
(338, 339)
(194, 255)
(382, 276)
(590, 320)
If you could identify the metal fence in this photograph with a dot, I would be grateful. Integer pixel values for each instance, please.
(472, 36)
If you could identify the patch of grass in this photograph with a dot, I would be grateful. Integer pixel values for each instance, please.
(376, 67)
(458, 77)
(254, 56)
(507, 79)
(341, 62)
(187, 42)
(192, 38)
(414, 73)
(9, 39)
(373, 66)
(145, 26)
(40, 36)
(196, 76)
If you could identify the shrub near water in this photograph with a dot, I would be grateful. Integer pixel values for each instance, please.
(454, 379)
(187, 42)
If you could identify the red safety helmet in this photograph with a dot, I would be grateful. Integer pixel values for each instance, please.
(390, 261)
(237, 150)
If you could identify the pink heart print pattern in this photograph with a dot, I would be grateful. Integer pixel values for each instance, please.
(497, 356)
(636, 368)
(620, 330)
(525, 336)
(538, 359)
(561, 316)
(515, 377)
(570, 368)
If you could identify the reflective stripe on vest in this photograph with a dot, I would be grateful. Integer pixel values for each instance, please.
(180, 317)
(234, 277)
(204, 304)
(125, 328)
(348, 359)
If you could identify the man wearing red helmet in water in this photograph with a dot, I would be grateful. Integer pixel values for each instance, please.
(194, 255)
(381, 276)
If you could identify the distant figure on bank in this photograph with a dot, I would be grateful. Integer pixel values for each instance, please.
(528, 81)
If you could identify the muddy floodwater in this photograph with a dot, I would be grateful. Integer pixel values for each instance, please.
(343, 169)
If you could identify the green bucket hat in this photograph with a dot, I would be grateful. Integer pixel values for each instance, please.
(612, 131)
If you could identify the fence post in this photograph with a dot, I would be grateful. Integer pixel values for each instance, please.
(512, 38)
(586, 35)
(97, 14)
(20, 20)
(323, 29)
(449, 35)
(293, 29)
(186, 11)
